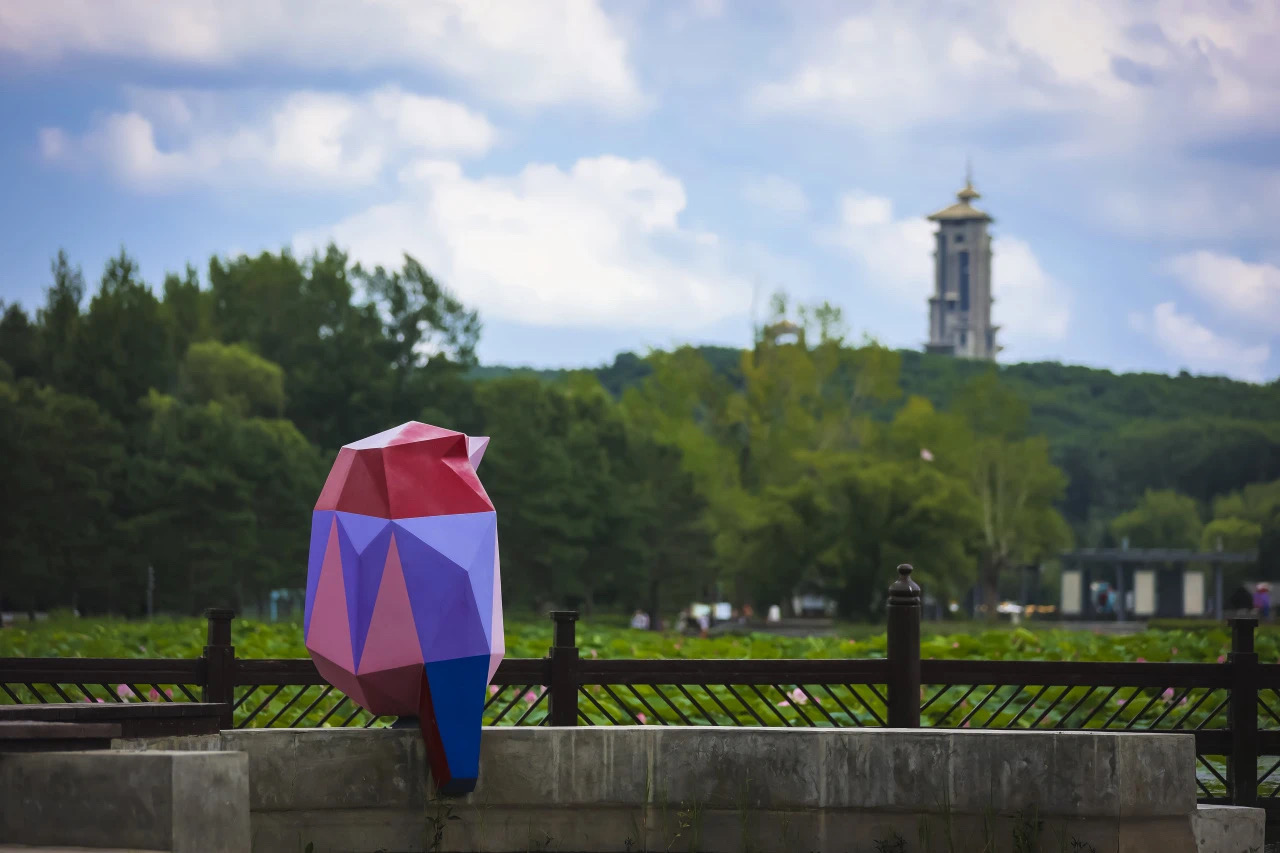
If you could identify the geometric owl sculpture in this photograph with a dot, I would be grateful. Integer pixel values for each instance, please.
(404, 599)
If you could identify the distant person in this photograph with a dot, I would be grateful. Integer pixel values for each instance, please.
(640, 621)
(1262, 600)
(775, 613)
(704, 624)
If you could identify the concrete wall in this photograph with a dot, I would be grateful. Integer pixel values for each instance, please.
(181, 802)
(656, 788)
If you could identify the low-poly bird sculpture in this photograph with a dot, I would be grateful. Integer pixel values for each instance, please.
(404, 600)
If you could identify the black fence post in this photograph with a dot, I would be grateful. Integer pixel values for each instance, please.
(220, 663)
(1242, 764)
(903, 651)
(564, 669)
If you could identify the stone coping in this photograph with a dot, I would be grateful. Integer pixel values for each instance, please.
(1069, 774)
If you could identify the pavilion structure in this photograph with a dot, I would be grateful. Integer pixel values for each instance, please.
(1147, 582)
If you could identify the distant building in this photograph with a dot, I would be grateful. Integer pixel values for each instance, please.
(960, 308)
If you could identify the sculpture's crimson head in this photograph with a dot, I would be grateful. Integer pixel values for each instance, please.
(404, 599)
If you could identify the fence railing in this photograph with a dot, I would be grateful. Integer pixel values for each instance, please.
(1232, 708)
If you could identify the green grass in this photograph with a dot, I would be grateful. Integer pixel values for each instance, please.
(178, 638)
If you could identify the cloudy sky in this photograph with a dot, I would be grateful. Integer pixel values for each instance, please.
(597, 176)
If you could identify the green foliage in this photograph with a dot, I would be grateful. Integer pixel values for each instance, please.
(189, 428)
(65, 636)
(234, 377)
(1162, 519)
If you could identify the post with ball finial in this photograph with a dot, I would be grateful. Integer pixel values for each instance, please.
(903, 651)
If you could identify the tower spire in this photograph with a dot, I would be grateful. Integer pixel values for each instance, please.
(968, 194)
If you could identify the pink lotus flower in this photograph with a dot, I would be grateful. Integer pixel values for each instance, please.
(493, 690)
(530, 697)
(1120, 701)
(1142, 660)
(153, 695)
(101, 700)
(1222, 658)
(123, 691)
(798, 697)
(596, 654)
(1173, 651)
(966, 724)
(955, 645)
(784, 704)
(925, 454)
(642, 718)
(1167, 694)
(1183, 701)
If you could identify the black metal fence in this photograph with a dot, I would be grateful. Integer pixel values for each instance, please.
(1232, 708)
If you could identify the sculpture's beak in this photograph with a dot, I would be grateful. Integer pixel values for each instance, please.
(476, 446)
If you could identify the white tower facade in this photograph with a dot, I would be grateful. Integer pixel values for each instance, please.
(960, 308)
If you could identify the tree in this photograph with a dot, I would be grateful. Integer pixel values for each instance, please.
(233, 376)
(837, 528)
(122, 348)
(188, 312)
(1012, 479)
(59, 323)
(671, 533)
(19, 342)
(1248, 520)
(1162, 519)
(63, 456)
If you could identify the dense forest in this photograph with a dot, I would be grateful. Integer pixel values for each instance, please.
(187, 428)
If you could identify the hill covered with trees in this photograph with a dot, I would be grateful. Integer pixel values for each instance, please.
(1115, 435)
(188, 426)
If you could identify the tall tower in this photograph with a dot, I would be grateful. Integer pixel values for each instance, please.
(960, 308)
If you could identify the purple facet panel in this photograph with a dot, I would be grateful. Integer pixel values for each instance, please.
(321, 524)
(373, 562)
(444, 610)
(481, 573)
(355, 533)
(457, 537)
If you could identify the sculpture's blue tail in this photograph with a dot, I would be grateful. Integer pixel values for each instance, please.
(451, 723)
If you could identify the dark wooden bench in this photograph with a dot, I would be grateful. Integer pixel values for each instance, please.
(132, 719)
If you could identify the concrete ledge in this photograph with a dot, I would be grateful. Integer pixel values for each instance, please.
(727, 789)
(177, 801)
(1228, 829)
(1067, 774)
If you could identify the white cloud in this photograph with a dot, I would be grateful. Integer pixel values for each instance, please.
(1246, 291)
(1031, 306)
(527, 54)
(598, 245)
(336, 139)
(777, 194)
(1120, 73)
(1199, 348)
(895, 256)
